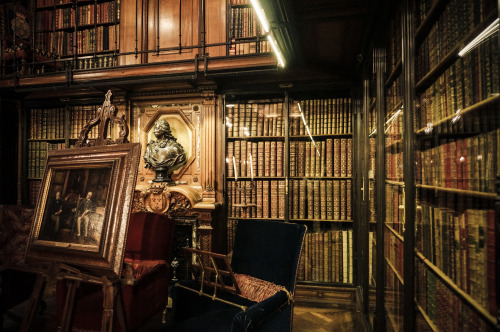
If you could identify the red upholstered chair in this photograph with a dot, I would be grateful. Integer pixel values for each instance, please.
(145, 276)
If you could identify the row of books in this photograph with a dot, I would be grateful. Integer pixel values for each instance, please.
(239, 48)
(469, 164)
(247, 120)
(394, 255)
(394, 165)
(252, 159)
(320, 199)
(469, 80)
(63, 43)
(394, 95)
(457, 20)
(37, 157)
(443, 306)
(45, 3)
(394, 207)
(268, 198)
(331, 157)
(462, 245)
(68, 17)
(79, 117)
(327, 257)
(239, 2)
(244, 23)
(46, 123)
(322, 117)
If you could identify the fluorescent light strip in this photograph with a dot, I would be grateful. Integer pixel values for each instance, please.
(261, 15)
(489, 31)
(276, 50)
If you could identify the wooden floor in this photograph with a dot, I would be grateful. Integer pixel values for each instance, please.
(305, 319)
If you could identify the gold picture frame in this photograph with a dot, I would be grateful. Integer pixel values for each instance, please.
(82, 213)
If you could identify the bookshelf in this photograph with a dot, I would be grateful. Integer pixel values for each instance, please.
(53, 128)
(457, 139)
(314, 187)
(86, 31)
(245, 34)
(393, 187)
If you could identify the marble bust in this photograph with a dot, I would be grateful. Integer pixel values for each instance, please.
(165, 154)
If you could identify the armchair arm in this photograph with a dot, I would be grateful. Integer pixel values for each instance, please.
(252, 317)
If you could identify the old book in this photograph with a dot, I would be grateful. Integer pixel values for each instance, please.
(329, 157)
(301, 159)
(236, 121)
(326, 257)
(275, 119)
(336, 199)
(317, 199)
(345, 259)
(348, 201)
(265, 199)
(274, 210)
(343, 157)
(307, 162)
(313, 160)
(318, 157)
(267, 158)
(243, 159)
(302, 199)
(254, 119)
(336, 157)
(259, 200)
(295, 199)
(342, 207)
(248, 120)
(349, 157)
(260, 120)
(281, 199)
(310, 199)
(279, 158)
(292, 165)
(260, 158)
(229, 122)
(266, 131)
(322, 189)
(329, 200)
(229, 159)
(322, 169)
(279, 120)
(255, 159)
(273, 166)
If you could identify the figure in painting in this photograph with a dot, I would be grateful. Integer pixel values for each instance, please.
(83, 214)
(165, 154)
(57, 209)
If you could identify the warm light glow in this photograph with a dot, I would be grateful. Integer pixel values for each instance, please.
(274, 45)
(261, 15)
(488, 32)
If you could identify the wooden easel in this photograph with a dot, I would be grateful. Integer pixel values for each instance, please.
(111, 289)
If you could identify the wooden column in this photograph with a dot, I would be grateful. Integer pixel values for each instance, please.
(208, 157)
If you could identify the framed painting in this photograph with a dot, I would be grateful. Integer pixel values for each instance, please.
(84, 205)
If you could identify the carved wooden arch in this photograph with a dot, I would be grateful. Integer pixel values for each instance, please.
(105, 115)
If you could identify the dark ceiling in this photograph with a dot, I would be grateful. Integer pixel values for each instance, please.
(324, 43)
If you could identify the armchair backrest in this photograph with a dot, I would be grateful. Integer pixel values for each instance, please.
(149, 236)
(268, 250)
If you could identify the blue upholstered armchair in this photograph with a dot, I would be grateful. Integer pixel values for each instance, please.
(265, 261)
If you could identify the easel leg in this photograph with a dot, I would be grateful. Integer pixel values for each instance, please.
(34, 302)
(69, 305)
(112, 298)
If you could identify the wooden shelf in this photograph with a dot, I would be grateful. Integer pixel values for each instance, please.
(452, 56)
(480, 194)
(399, 236)
(458, 291)
(306, 137)
(256, 138)
(323, 220)
(395, 183)
(427, 319)
(467, 110)
(392, 77)
(320, 177)
(396, 273)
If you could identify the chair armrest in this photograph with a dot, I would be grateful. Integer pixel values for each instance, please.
(252, 317)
